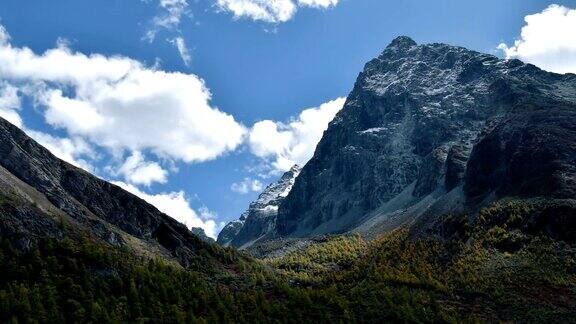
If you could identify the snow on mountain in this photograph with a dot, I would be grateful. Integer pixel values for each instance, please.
(260, 218)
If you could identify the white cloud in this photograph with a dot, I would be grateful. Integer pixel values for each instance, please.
(117, 103)
(138, 171)
(182, 50)
(10, 104)
(271, 11)
(548, 40)
(175, 205)
(247, 185)
(170, 17)
(293, 143)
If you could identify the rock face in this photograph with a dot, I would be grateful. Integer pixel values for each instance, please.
(202, 234)
(432, 129)
(39, 192)
(259, 221)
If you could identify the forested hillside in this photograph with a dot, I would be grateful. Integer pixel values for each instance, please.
(508, 267)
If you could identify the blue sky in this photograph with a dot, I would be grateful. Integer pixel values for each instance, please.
(261, 65)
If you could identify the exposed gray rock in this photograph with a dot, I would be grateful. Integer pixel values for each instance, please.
(456, 165)
(431, 129)
(259, 221)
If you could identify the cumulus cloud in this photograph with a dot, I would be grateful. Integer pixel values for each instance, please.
(120, 104)
(286, 144)
(183, 50)
(247, 185)
(169, 18)
(548, 40)
(137, 170)
(175, 205)
(271, 11)
(117, 105)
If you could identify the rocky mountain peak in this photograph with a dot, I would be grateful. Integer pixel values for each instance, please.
(278, 190)
(260, 218)
(434, 127)
(401, 43)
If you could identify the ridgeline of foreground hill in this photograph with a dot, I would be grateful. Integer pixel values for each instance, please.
(512, 265)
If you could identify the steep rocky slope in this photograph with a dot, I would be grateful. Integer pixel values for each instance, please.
(260, 219)
(42, 196)
(435, 129)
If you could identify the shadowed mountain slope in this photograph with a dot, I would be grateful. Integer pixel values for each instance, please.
(30, 173)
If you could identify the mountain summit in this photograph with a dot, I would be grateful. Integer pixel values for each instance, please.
(259, 221)
(402, 43)
(434, 129)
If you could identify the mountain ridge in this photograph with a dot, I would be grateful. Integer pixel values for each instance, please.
(419, 135)
(114, 215)
(258, 222)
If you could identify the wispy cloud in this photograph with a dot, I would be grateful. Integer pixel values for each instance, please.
(169, 18)
(183, 50)
(246, 186)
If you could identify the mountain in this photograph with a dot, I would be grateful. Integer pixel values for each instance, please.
(445, 188)
(259, 220)
(40, 193)
(434, 129)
